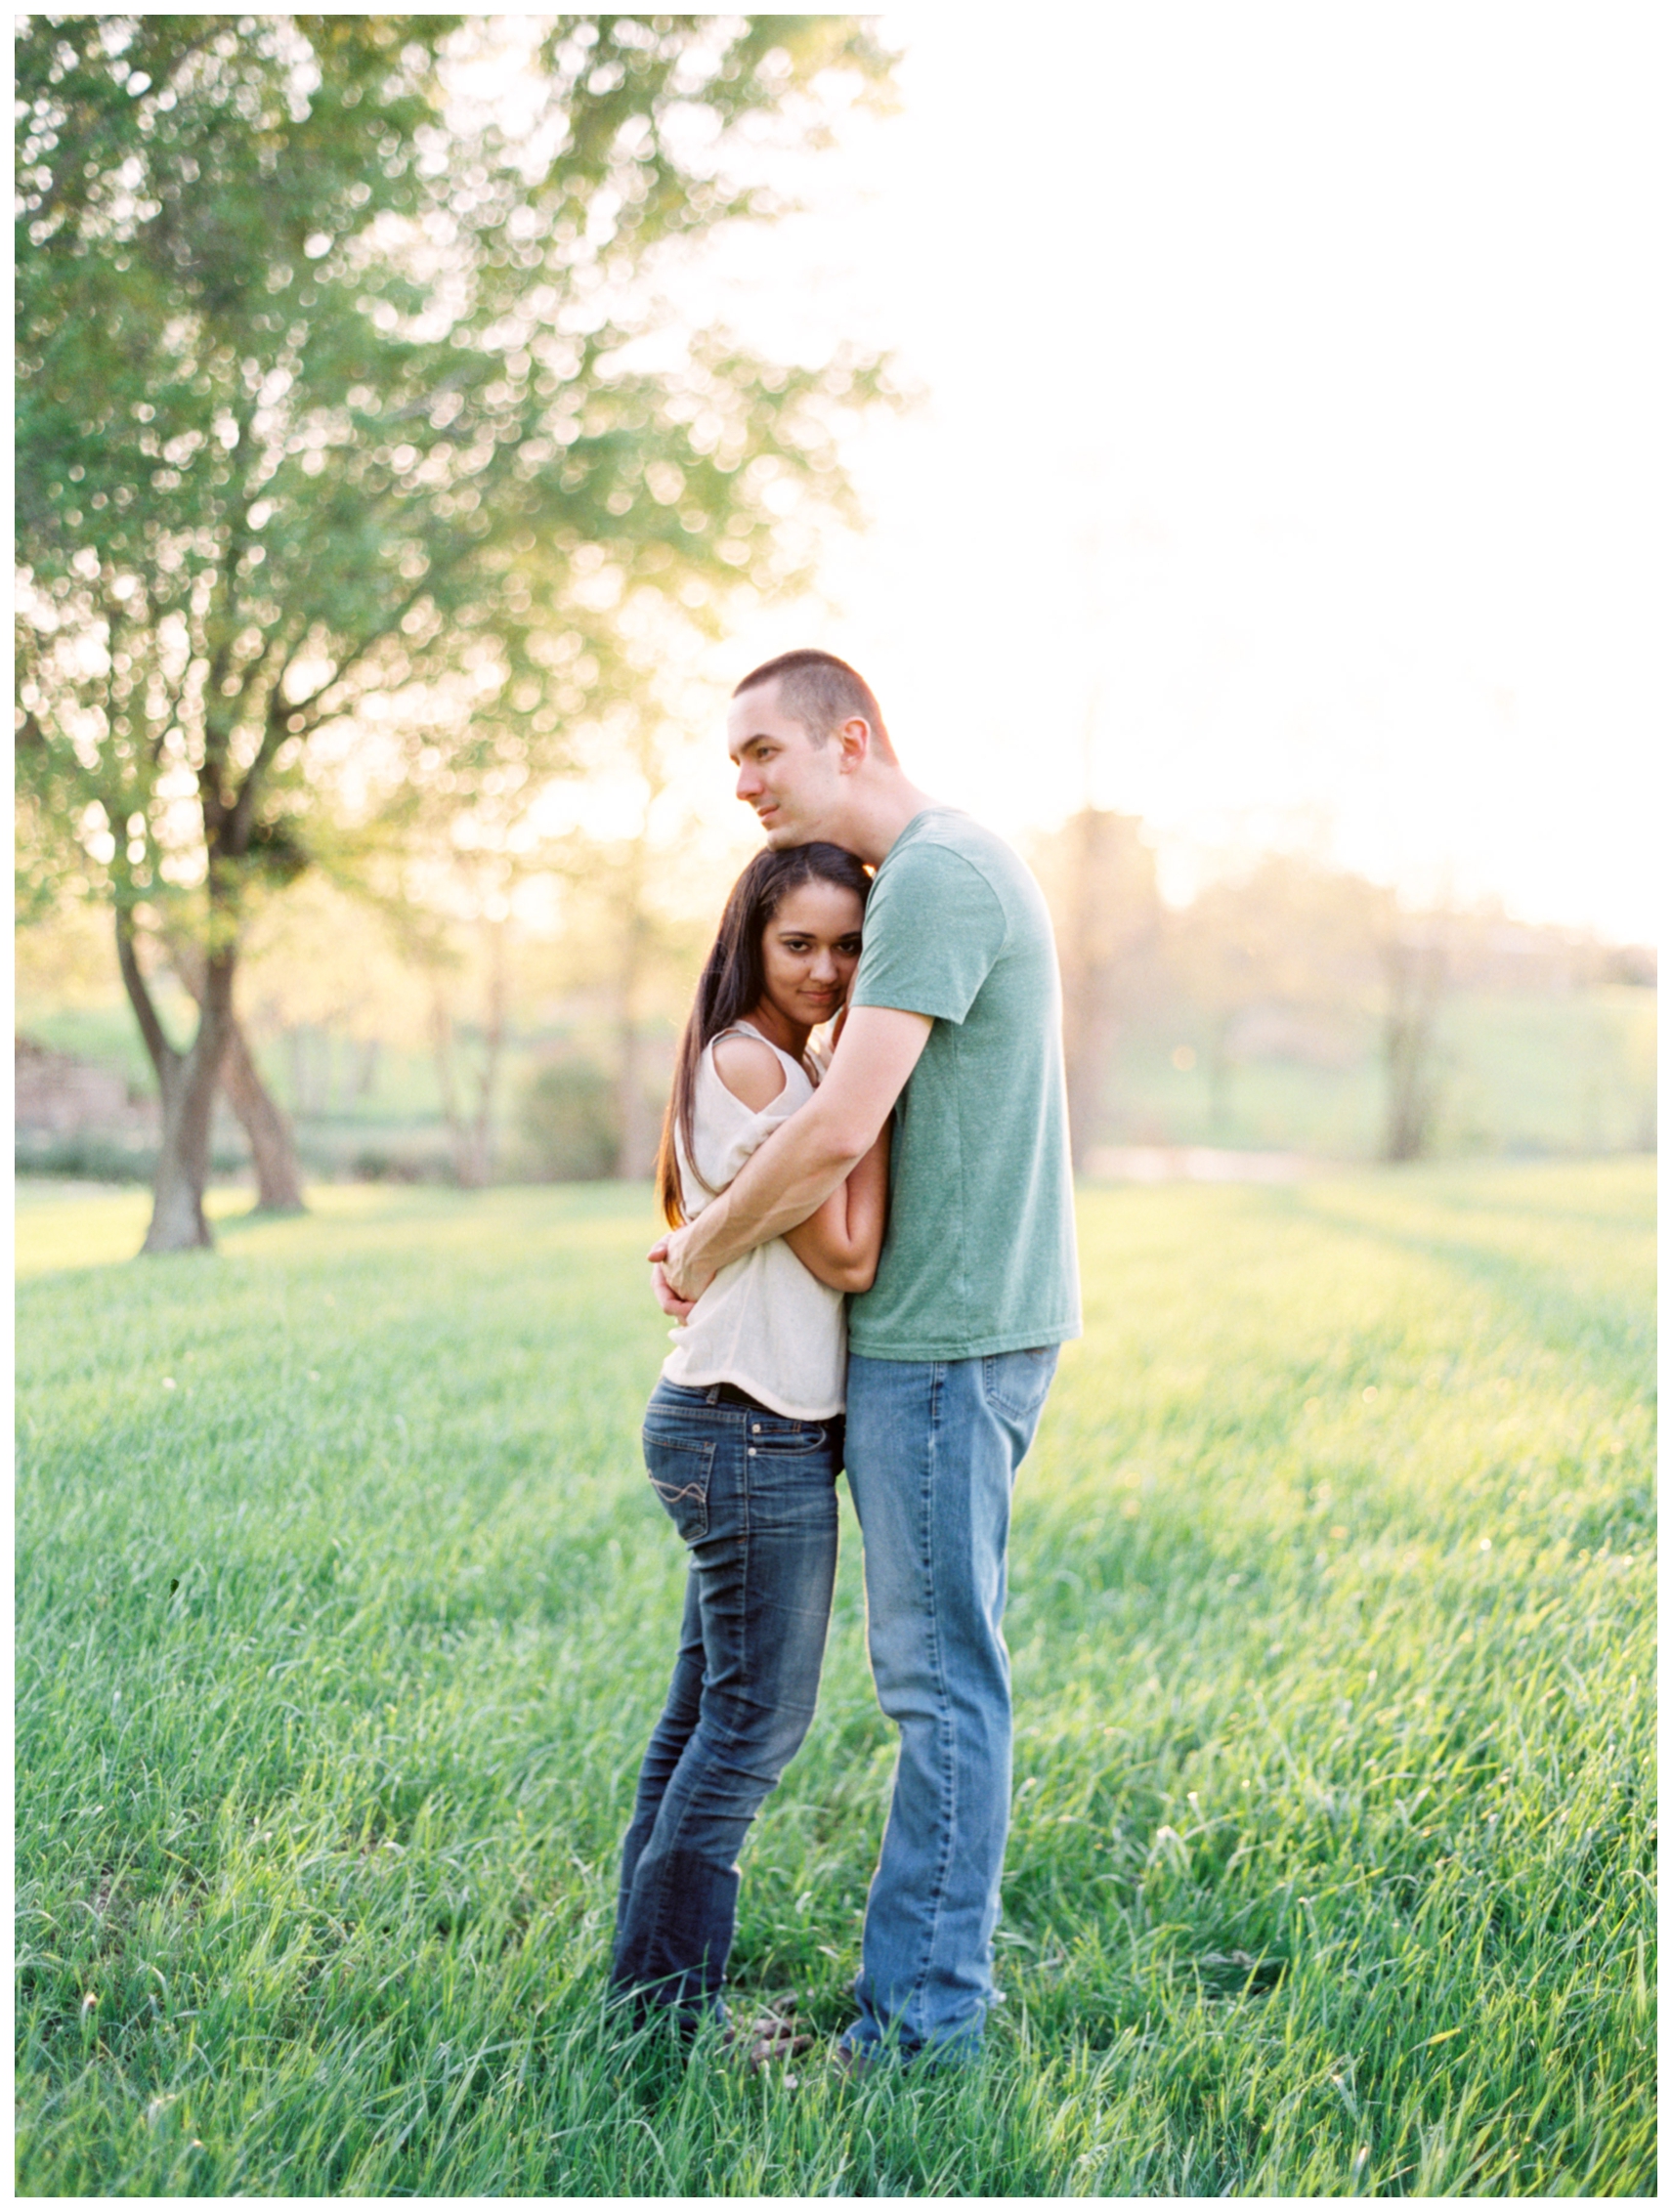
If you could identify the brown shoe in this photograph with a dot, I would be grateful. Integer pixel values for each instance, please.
(769, 2037)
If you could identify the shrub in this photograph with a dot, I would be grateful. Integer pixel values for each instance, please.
(569, 1122)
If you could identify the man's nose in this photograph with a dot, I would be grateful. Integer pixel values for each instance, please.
(749, 782)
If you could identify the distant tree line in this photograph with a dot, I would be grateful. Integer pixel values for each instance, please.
(1290, 941)
(1289, 1005)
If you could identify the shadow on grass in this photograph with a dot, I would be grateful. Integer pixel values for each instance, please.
(1572, 1322)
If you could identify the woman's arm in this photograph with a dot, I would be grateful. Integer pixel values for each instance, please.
(841, 1244)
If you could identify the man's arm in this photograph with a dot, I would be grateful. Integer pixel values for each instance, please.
(803, 1161)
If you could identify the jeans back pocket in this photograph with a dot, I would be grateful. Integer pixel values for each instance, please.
(680, 1470)
(1015, 1383)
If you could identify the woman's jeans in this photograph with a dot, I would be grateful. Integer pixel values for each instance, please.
(933, 1452)
(752, 1494)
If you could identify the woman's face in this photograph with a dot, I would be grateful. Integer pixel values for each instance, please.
(809, 950)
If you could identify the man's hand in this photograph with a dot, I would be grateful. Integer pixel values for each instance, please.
(676, 1292)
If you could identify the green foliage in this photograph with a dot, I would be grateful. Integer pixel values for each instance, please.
(1332, 1628)
(569, 1122)
(327, 395)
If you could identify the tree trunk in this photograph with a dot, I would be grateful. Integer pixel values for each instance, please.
(178, 1222)
(475, 1142)
(1103, 901)
(1415, 978)
(187, 1083)
(278, 1170)
(446, 1083)
(638, 1126)
(470, 1133)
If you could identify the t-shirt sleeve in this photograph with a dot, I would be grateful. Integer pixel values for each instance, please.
(933, 930)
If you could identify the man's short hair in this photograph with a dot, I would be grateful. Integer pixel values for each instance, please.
(822, 693)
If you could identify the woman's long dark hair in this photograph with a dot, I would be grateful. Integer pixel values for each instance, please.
(733, 979)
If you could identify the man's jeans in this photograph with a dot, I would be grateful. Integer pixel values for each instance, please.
(753, 1495)
(932, 1451)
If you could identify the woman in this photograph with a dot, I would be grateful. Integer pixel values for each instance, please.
(743, 1433)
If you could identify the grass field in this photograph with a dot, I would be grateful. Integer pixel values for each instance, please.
(344, 1611)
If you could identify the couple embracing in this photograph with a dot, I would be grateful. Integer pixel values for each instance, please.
(914, 1173)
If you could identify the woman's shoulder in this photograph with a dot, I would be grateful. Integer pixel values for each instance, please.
(749, 1068)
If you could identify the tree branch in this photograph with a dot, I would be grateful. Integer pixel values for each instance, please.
(357, 653)
(166, 1058)
(242, 820)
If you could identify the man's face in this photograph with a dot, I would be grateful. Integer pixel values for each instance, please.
(793, 785)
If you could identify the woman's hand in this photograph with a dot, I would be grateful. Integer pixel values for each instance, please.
(676, 1290)
(842, 1242)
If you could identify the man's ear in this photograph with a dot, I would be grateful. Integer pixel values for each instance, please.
(854, 739)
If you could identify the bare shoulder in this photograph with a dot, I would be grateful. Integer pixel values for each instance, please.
(751, 1071)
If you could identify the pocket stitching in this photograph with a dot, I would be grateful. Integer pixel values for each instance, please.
(999, 1399)
(696, 1493)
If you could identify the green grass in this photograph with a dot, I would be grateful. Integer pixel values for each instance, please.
(1333, 1583)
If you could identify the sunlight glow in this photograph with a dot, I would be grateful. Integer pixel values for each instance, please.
(1290, 438)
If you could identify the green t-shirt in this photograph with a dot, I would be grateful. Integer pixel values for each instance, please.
(980, 1255)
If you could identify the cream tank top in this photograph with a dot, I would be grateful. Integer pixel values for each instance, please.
(764, 1323)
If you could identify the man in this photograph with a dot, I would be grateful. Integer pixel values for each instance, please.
(953, 1027)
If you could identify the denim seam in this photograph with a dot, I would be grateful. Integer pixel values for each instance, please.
(722, 1740)
(658, 1926)
(945, 1733)
(744, 1455)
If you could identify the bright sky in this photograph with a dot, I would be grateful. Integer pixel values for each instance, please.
(1293, 464)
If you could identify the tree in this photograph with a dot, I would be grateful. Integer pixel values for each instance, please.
(644, 953)
(449, 886)
(272, 1144)
(335, 461)
(1101, 888)
(1292, 936)
(465, 938)
(1411, 952)
(1285, 934)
